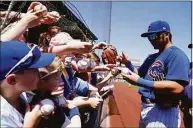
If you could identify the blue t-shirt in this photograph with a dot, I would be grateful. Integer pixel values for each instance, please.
(79, 86)
(171, 64)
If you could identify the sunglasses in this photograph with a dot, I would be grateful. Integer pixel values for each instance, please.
(32, 57)
(154, 36)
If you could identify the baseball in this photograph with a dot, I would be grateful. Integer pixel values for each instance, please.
(125, 70)
(82, 64)
(41, 7)
(92, 64)
(54, 13)
(47, 107)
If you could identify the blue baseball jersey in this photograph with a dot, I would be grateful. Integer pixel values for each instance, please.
(171, 64)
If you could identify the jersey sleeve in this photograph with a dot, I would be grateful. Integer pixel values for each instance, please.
(177, 67)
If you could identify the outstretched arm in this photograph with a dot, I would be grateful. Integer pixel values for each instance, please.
(61, 50)
(101, 84)
(164, 86)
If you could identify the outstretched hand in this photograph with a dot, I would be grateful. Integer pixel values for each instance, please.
(131, 77)
(37, 14)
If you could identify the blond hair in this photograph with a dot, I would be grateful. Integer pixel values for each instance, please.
(55, 67)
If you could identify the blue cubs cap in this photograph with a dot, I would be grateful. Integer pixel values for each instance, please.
(157, 26)
(16, 56)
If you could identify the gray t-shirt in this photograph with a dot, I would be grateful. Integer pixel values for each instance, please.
(10, 117)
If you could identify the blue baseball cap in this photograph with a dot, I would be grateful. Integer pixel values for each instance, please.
(157, 26)
(17, 56)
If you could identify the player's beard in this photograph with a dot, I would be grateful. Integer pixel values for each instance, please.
(155, 45)
(159, 45)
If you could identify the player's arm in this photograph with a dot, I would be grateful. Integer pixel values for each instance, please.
(165, 86)
(176, 76)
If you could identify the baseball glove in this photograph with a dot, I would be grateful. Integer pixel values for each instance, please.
(109, 55)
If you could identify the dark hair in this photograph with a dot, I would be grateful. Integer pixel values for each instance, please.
(43, 42)
(170, 37)
(167, 34)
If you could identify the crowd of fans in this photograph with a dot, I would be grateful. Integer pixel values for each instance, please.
(49, 84)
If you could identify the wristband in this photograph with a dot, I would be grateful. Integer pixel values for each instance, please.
(145, 83)
(73, 112)
(130, 66)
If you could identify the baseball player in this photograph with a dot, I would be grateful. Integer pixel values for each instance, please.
(186, 105)
(161, 78)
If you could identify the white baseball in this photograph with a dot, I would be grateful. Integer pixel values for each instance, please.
(47, 107)
(92, 64)
(41, 7)
(125, 70)
(54, 13)
(108, 87)
(82, 64)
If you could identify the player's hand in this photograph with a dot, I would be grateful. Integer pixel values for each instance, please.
(123, 58)
(130, 77)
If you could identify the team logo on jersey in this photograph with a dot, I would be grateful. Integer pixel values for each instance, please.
(156, 71)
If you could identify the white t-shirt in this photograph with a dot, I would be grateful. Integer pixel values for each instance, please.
(10, 117)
